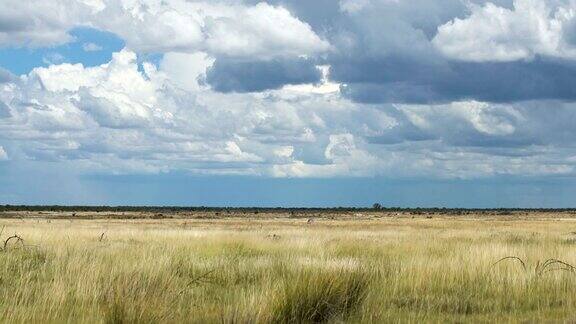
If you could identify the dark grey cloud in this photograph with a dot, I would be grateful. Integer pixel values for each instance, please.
(319, 14)
(11, 23)
(229, 75)
(402, 81)
(383, 54)
(383, 27)
(513, 81)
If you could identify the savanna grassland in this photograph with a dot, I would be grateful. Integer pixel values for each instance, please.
(357, 268)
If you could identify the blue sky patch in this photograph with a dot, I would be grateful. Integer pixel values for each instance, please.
(91, 47)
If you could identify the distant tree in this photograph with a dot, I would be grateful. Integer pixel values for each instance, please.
(377, 206)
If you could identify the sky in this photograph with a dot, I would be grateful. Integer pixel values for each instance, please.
(452, 103)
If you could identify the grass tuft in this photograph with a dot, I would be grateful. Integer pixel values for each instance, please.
(319, 297)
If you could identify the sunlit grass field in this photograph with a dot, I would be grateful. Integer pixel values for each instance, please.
(267, 270)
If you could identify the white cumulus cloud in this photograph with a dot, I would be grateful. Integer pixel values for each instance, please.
(493, 33)
(217, 27)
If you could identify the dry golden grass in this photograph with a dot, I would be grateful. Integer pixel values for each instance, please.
(266, 270)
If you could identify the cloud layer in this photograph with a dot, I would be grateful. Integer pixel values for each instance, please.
(298, 89)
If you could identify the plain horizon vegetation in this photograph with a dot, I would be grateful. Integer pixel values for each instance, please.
(178, 208)
(356, 268)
